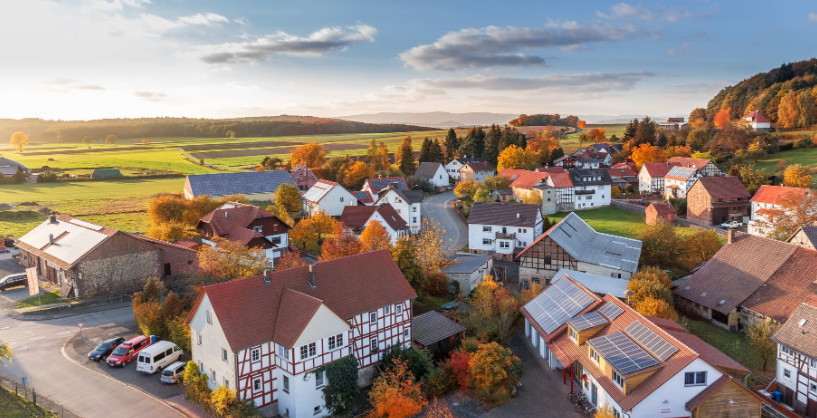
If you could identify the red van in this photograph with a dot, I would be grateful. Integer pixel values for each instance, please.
(128, 351)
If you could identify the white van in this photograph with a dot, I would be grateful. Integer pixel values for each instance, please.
(157, 356)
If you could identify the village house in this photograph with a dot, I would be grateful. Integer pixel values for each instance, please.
(363, 198)
(651, 177)
(758, 122)
(572, 244)
(797, 360)
(254, 185)
(502, 195)
(248, 225)
(672, 124)
(503, 228)
(467, 270)
(434, 173)
(677, 182)
(88, 260)
(656, 211)
(532, 187)
(329, 197)
(9, 167)
(750, 279)
(806, 237)
(563, 191)
(623, 176)
(618, 357)
(357, 217)
(407, 203)
(714, 200)
(477, 171)
(766, 204)
(265, 336)
(604, 148)
(704, 166)
(374, 186)
(592, 187)
(453, 167)
(303, 177)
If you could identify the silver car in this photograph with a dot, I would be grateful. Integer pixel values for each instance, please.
(13, 280)
(173, 373)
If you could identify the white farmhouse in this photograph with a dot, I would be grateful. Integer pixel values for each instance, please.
(766, 207)
(358, 217)
(435, 174)
(265, 336)
(454, 166)
(651, 176)
(592, 188)
(757, 121)
(797, 360)
(329, 197)
(503, 228)
(407, 203)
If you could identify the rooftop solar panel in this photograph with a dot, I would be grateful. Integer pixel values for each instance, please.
(611, 310)
(587, 321)
(621, 352)
(558, 303)
(657, 345)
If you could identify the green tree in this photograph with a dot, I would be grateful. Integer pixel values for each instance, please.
(111, 139)
(87, 141)
(19, 140)
(752, 178)
(659, 245)
(474, 143)
(404, 157)
(645, 133)
(492, 139)
(760, 336)
(288, 197)
(341, 388)
(630, 130)
(452, 143)
(417, 360)
(482, 195)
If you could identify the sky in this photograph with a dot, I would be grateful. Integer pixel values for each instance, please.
(91, 59)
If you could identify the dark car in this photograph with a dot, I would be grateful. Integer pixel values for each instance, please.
(105, 348)
(13, 280)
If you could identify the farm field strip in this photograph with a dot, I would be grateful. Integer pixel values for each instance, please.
(267, 151)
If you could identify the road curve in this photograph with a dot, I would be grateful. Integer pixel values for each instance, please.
(438, 209)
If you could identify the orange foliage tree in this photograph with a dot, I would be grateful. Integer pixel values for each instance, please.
(288, 261)
(311, 229)
(582, 124)
(356, 174)
(438, 408)
(342, 243)
(722, 117)
(658, 308)
(494, 372)
(395, 394)
(230, 261)
(375, 237)
(647, 153)
(312, 154)
(597, 134)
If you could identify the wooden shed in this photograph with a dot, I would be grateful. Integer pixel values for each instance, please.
(664, 211)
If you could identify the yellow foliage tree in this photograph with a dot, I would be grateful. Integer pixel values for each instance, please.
(375, 237)
(466, 189)
(605, 411)
(223, 400)
(356, 174)
(148, 316)
(658, 308)
(395, 394)
(788, 111)
(797, 175)
(281, 214)
(288, 197)
(482, 195)
(5, 352)
(431, 245)
(494, 371)
(515, 157)
(230, 261)
(647, 153)
(168, 231)
(312, 154)
(313, 228)
(19, 140)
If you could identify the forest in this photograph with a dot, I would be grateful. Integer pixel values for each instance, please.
(545, 120)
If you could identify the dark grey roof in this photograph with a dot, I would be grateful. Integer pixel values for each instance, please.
(585, 244)
(5, 162)
(430, 327)
(590, 176)
(427, 170)
(510, 214)
(811, 234)
(800, 330)
(252, 182)
(467, 263)
(470, 160)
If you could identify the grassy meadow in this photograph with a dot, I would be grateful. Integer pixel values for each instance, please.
(803, 156)
(613, 221)
(570, 142)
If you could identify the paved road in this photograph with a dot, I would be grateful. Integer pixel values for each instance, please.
(37, 356)
(438, 208)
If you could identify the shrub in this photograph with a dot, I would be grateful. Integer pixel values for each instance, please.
(148, 317)
(341, 389)
(178, 332)
(439, 382)
(459, 368)
(48, 177)
(494, 372)
(417, 360)
(436, 284)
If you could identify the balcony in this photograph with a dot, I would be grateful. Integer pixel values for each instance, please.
(500, 235)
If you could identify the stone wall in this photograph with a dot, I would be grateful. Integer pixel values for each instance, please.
(117, 274)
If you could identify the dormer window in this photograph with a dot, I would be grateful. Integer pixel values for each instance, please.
(618, 379)
(594, 355)
(572, 333)
(257, 229)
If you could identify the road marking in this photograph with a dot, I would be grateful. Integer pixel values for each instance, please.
(36, 338)
(4, 328)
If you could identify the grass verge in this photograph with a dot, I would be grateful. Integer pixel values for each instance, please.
(735, 345)
(46, 299)
(14, 406)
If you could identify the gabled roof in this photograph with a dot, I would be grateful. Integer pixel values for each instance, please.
(464, 160)
(658, 169)
(810, 232)
(675, 120)
(512, 173)
(680, 173)
(295, 311)
(480, 166)
(410, 196)
(663, 208)
(794, 282)
(583, 243)
(356, 217)
(774, 195)
(319, 190)
(688, 162)
(625, 171)
(800, 330)
(431, 327)
(248, 309)
(528, 179)
(234, 215)
(604, 146)
(564, 299)
(755, 116)
(510, 214)
(560, 180)
(251, 182)
(551, 170)
(427, 170)
(467, 263)
(735, 272)
(9, 171)
(666, 324)
(378, 184)
(301, 174)
(363, 196)
(721, 188)
(73, 239)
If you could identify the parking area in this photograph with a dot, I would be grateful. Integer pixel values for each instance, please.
(78, 348)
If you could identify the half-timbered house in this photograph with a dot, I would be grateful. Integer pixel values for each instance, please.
(267, 336)
(797, 360)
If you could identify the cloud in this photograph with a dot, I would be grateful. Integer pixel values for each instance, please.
(626, 11)
(116, 4)
(241, 20)
(205, 19)
(281, 43)
(64, 85)
(493, 46)
(592, 82)
(812, 17)
(149, 96)
(242, 86)
(681, 50)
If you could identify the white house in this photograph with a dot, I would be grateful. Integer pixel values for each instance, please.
(651, 176)
(678, 180)
(797, 360)
(358, 217)
(766, 206)
(374, 186)
(407, 203)
(591, 187)
(435, 174)
(454, 166)
(503, 228)
(757, 121)
(704, 166)
(248, 225)
(477, 171)
(265, 336)
(620, 358)
(327, 196)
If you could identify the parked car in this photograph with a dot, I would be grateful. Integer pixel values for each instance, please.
(127, 351)
(174, 373)
(13, 280)
(105, 348)
(731, 225)
(157, 356)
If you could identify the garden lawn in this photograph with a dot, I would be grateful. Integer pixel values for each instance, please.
(15, 406)
(46, 299)
(735, 345)
(613, 221)
(803, 156)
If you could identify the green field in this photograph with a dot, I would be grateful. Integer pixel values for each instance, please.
(613, 221)
(804, 156)
(570, 142)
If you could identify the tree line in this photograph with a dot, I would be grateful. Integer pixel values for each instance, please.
(544, 120)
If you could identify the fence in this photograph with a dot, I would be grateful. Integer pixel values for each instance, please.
(629, 207)
(30, 394)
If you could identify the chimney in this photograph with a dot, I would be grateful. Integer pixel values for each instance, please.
(518, 215)
(52, 218)
(730, 236)
(51, 239)
(226, 215)
(312, 283)
(267, 275)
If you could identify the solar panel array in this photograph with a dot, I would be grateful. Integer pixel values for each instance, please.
(624, 354)
(589, 320)
(557, 304)
(657, 345)
(611, 310)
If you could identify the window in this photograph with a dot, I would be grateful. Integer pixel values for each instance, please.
(373, 317)
(486, 241)
(486, 228)
(226, 383)
(695, 379)
(406, 333)
(341, 198)
(286, 384)
(787, 373)
(373, 345)
(813, 363)
(335, 341)
(594, 355)
(209, 320)
(572, 333)
(224, 354)
(414, 208)
(588, 197)
(812, 388)
(339, 340)
(257, 229)
(504, 244)
(283, 352)
(785, 349)
(387, 310)
(213, 373)
(414, 220)
(255, 354)
(398, 309)
(313, 350)
(199, 339)
(319, 379)
(618, 379)
(317, 410)
(256, 384)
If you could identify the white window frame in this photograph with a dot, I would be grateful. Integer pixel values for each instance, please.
(787, 373)
(406, 333)
(257, 385)
(209, 318)
(255, 355)
(695, 381)
(319, 379)
(283, 352)
(372, 317)
(317, 410)
(398, 309)
(199, 339)
(224, 355)
(373, 345)
(387, 310)
(285, 385)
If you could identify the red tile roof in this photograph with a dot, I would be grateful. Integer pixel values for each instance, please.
(356, 217)
(247, 309)
(688, 162)
(775, 194)
(233, 215)
(755, 116)
(709, 353)
(663, 207)
(625, 171)
(792, 284)
(480, 166)
(658, 169)
(723, 188)
(295, 311)
(561, 180)
(528, 179)
(551, 170)
(665, 323)
(511, 173)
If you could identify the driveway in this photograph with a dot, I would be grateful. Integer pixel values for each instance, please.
(10, 266)
(438, 209)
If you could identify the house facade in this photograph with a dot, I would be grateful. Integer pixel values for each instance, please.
(714, 200)
(435, 174)
(453, 167)
(303, 177)
(563, 191)
(656, 211)
(503, 228)
(766, 207)
(651, 177)
(758, 122)
(592, 188)
(265, 336)
(677, 182)
(476, 171)
(329, 197)
(247, 225)
(358, 217)
(797, 360)
(704, 166)
(407, 203)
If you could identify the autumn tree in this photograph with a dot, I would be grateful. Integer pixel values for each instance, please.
(752, 178)
(516, 157)
(659, 244)
(312, 154)
(148, 316)
(495, 370)
(168, 231)
(797, 175)
(494, 183)
(404, 157)
(597, 135)
(760, 336)
(289, 260)
(385, 164)
(697, 118)
(271, 163)
(647, 153)
(404, 253)
(288, 197)
(342, 243)
(172, 306)
(650, 282)
(223, 400)
(482, 195)
(312, 229)
(606, 411)
(431, 245)
(395, 394)
(230, 261)
(281, 214)
(438, 408)
(111, 139)
(466, 189)
(356, 174)
(658, 308)
(19, 140)
(787, 111)
(697, 248)
(5, 353)
(375, 237)
(87, 141)
(795, 210)
(582, 124)
(644, 132)
(723, 117)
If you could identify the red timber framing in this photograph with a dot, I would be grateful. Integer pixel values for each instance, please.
(547, 255)
(249, 371)
(802, 380)
(389, 331)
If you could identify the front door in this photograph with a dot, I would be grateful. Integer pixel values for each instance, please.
(594, 394)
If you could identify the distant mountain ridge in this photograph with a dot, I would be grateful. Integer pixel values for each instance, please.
(450, 119)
